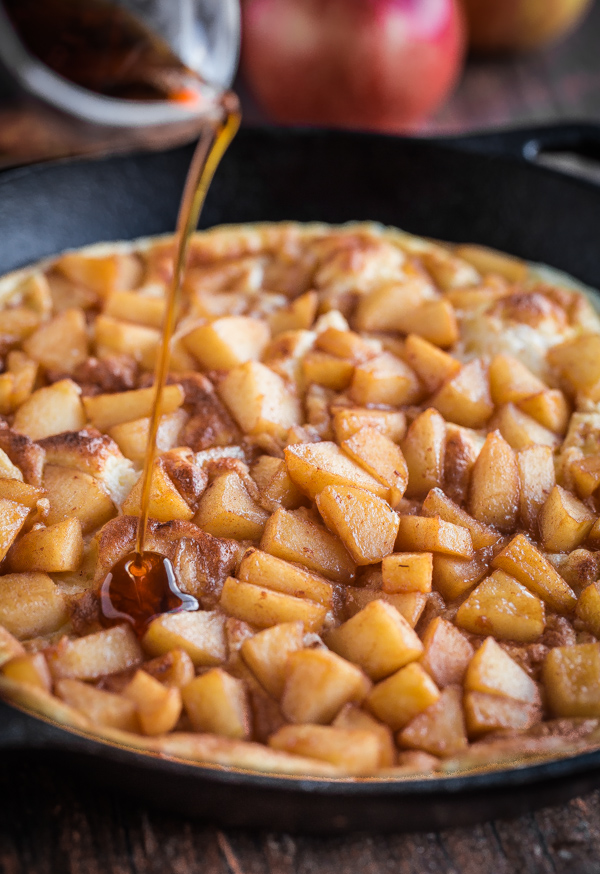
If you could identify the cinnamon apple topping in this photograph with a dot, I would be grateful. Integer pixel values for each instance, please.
(378, 476)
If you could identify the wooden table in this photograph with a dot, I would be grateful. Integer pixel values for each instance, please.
(54, 823)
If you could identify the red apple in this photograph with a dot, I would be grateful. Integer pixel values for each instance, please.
(514, 25)
(370, 64)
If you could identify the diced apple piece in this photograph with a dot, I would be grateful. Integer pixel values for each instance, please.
(503, 607)
(463, 446)
(489, 261)
(216, 702)
(492, 670)
(108, 410)
(511, 381)
(56, 549)
(378, 639)
(22, 371)
(132, 437)
(356, 751)
(522, 560)
(200, 634)
(125, 338)
(73, 493)
(86, 658)
(266, 570)
(276, 487)
(391, 423)
(174, 668)
(446, 654)
(60, 344)
(564, 521)
(353, 717)
(433, 535)
(317, 685)
(12, 519)
(594, 535)
(294, 537)
(313, 466)
(465, 398)
(227, 510)
(407, 572)
(31, 669)
(263, 607)
(578, 362)
(588, 608)
(438, 504)
(345, 344)
(9, 474)
(440, 729)
(259, 400)
(453, 577)
(129, 306)
(495, 488)
(364, 523)
(424, 448)
(520, 430)
(434, 320)
(228, 342)
(158, 707)
(382, 308)
(321, 368)
(409, 604)
(399, 698)
(101, 273)
(51, 410)
(165, 501)
(299, 314)
(550, 408)
(18, 322)
(381, 458)
(21, 493)
(485, 713)
(101, 708)
(579, 568)
(537, 476)
(266, 654)
(10, 648)
(571, 678)
(586, 475)
(432, 366)
(31, 604)
(384, 380)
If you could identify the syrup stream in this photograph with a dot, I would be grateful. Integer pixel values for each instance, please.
(210, 149)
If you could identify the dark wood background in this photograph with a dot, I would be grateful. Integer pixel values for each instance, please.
(53, 822)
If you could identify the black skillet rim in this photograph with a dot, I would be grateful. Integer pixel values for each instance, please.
(521, 775)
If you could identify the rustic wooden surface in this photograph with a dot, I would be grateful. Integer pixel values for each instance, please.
(54, 823)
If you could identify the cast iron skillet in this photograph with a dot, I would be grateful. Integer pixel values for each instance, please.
(479, 189)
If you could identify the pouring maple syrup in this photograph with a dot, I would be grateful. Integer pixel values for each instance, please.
(143, 585)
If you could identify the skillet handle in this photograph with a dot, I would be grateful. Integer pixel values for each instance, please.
(573, 148)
